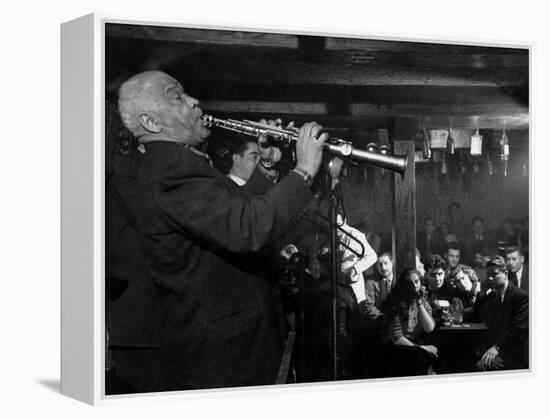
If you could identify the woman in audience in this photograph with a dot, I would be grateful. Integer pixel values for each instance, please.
(409, 317)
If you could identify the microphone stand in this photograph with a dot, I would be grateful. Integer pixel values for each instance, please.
(334, 167)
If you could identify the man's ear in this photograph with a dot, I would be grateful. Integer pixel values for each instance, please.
(236, 158)
(149, 123)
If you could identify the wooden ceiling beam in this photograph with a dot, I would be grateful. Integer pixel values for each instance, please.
(433, 117)
(278, 39)
(365, 109)
(380, 95)
(201, 36)
(339, 43)
(309, 73)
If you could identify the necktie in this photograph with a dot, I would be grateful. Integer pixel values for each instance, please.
(514, 278)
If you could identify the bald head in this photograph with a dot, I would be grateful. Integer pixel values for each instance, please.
(154, 106)
(140, 95)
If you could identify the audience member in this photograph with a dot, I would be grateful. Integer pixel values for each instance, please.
(429, 240)
(505, 311)
(452, 257)
(408, 318)
(508, 235)
(477, 240)
(457, 223)
(377, 290)
(446, 234)
(245, 156)
(419, 264)
(448, 294)
(480, 263)
(518, 270)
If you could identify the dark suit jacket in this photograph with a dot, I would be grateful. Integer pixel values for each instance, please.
(222, 320)
(132, 303)
(376, 301)
(508, 323)
(524, 282)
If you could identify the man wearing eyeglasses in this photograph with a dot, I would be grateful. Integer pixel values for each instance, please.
(505, 311)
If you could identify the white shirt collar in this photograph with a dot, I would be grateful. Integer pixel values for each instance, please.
(518, 275)
(238, 180)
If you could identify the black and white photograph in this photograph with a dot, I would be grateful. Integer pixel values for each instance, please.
(288, 207)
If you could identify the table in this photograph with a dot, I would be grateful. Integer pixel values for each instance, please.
(457, 346)
(465, 333)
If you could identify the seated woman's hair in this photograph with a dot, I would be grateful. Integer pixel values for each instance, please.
(403, 287)
(435, 262)
(497, 261)
(468, 271)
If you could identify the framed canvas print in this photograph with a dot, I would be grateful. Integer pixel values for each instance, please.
(247, 207)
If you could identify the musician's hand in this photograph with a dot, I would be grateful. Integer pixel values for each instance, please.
(269, 154)
(309, 148)
(288, 251)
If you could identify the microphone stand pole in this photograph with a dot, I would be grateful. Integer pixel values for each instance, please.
(335, 166)
(334, 282)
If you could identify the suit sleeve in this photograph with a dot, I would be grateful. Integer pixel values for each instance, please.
(519, 322)
(371, 309)
(196, 200)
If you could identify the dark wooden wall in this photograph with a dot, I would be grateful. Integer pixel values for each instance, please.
(495, 198)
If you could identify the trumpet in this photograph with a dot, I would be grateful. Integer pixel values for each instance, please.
(335, 146)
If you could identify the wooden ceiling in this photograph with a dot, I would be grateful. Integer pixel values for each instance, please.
(342, 83)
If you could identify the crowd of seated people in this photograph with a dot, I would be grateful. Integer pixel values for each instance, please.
(470, 237)
(454, 281)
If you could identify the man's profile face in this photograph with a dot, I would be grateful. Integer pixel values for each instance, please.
(497, 278)
(436, 277)
(453, 257)
(514, 261)
(246, 164)
(385, 266)
(177, 112)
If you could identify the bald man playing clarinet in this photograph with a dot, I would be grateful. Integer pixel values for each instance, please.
(221, 318)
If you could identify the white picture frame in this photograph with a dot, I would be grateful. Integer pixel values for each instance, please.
(82, 234)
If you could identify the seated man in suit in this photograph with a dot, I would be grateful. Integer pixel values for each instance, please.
(505, 311)
(518, 270)
(429, 240)
(221, 319)
(378, 288)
